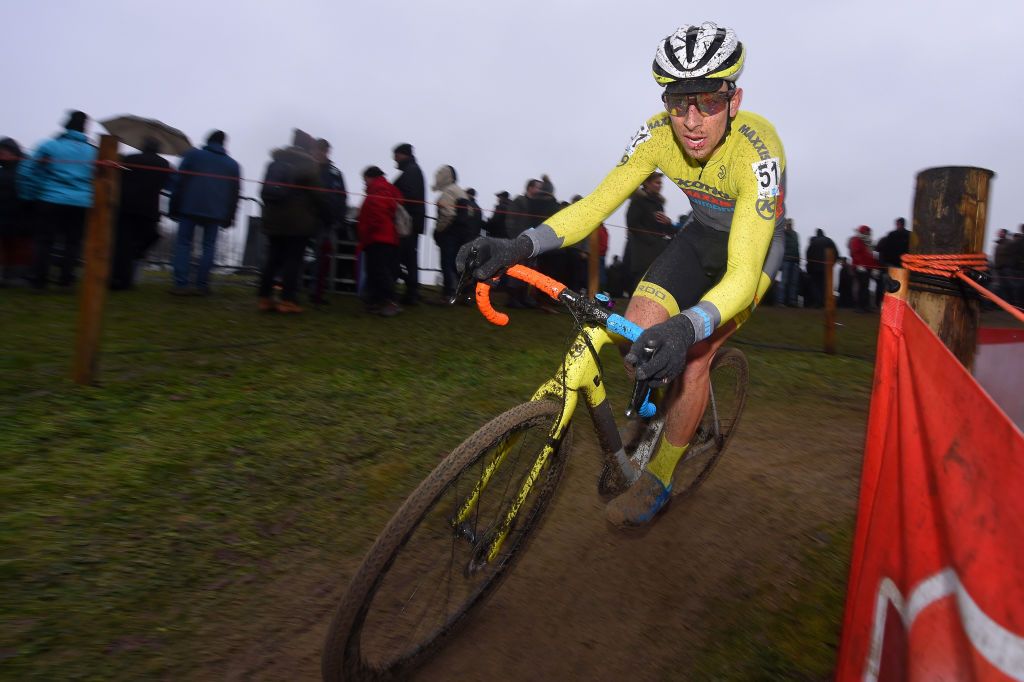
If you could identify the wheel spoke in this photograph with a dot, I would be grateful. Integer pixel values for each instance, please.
(437, 569)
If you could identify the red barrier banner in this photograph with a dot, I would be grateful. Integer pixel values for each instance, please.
(936, 587)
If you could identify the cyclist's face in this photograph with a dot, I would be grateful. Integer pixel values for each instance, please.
(699, 133)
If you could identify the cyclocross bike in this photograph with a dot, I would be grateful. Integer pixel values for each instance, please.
(457, 534)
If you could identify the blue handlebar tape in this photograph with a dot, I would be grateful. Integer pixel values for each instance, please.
(623, 327)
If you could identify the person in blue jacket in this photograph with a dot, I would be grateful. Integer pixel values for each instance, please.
(205, 194)
(58, 177)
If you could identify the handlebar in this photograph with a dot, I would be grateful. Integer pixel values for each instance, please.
(640, 399)
(549, 286)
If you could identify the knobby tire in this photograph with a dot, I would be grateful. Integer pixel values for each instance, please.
(344, 657)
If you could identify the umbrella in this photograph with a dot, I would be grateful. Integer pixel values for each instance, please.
(133, 131)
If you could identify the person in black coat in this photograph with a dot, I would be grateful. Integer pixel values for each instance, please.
(145, 175)
(411, 184)
(336, 208)
(817, 251)
(15, 230)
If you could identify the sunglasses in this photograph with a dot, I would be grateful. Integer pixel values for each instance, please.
(707, 103)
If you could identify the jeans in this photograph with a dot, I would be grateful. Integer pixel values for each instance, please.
(183, 253)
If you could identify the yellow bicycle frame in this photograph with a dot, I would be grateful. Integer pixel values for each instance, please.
(578, 372)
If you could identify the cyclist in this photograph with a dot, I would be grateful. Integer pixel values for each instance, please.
(731, 166)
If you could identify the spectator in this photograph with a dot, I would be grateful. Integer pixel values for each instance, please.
(890, 251)
(1004, 262)
(145, 176)
(864, 264)
(893, 245)
(789, 285)
(413, 188)
(648, 228)
(846, 277)
(205, 194)
(521, 217)
(15, 231)
(496, 225)
(474, 221)
(817, 255)
(579, 253)
(378, 241)
(446, 230)
(59, 177)
(290, 217)
(616, 278)
(336, 203)
(556, 263)
(1018, 271)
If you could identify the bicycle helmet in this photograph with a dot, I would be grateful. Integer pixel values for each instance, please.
(698, 58)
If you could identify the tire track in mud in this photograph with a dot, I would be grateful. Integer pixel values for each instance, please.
(587, 601)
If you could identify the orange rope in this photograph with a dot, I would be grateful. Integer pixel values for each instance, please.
(953, 265)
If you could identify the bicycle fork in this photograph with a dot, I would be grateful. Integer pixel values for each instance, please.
(495, 539)
(579, 372)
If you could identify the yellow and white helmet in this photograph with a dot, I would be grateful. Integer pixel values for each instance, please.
(699, 58)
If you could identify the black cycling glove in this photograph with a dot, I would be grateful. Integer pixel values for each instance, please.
(659, 354)
(493, 255)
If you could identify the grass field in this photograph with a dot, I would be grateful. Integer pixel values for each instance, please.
(222, 448)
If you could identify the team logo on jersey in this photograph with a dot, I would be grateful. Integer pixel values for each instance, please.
(721, 172)
(766, 208)
(638, 139)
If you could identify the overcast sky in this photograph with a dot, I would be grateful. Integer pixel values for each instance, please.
(863, 94)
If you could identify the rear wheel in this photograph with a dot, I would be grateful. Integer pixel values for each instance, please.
(718, 425)
(425, 572)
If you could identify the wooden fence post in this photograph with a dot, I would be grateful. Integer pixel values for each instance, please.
(830, 303)
(950, 209)
(93, 294)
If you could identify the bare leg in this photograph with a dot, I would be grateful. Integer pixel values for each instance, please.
(687, 397)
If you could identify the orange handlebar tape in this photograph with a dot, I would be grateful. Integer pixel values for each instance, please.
(483, 302)
(544, 283)
(551, 287)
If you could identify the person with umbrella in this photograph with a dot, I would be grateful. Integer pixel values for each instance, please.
(205, 194)
(145, 175)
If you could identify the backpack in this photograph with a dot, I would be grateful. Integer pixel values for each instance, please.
(403, 221)
(279, 171)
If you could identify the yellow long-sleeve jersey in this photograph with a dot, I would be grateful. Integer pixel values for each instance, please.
(739, 190)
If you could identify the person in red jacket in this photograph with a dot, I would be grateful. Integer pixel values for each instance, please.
(865, 264)
(378, 242)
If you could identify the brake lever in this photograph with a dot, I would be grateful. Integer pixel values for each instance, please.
(640, 399)
(471, 264)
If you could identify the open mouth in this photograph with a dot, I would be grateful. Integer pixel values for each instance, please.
(694, 144)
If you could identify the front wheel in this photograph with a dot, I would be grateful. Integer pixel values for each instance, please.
(727, 397)
(447, 546)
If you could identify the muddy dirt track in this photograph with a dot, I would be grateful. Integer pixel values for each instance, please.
(589, 602)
